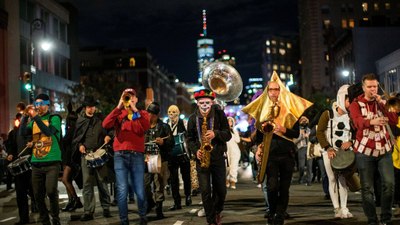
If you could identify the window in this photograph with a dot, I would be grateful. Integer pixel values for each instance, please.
(289, 45)
(282, 51)
(288, 68)
(327, 23)
(273, 42)
(364, 6)
(344, 23)
(351, 23)
(275, 67)
(132, 62)
(376, 6)
(273, 50)
(282, 68)
(268, 51)
(387, 6)
(63, 32)
(325, 9)
(267, 43)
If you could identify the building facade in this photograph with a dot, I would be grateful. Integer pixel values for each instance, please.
(24, 24)
(322, 22)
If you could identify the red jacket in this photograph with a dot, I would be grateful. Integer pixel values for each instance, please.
(129, 134)
(361, 123)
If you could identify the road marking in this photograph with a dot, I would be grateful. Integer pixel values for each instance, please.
(193, 211)
(178, 222)
(8, 219)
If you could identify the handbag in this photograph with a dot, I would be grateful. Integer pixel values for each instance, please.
(313, 150)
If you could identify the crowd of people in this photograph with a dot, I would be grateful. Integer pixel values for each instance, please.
(348, 147)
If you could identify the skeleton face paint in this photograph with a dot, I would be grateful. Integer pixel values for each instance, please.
(204, 105)
(173, 113)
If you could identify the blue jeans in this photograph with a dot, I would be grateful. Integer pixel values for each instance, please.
(367, 166)
(129, 163)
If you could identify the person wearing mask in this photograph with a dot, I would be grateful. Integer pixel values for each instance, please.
(303, 162)
(45, 132)
(89, 136)
(334, 134)
(208, 132)
(233, 155)
(180, 159)
(130, 125)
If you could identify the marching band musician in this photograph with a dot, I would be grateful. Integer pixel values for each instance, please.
(45, 130)
(23, 182)
(130, 125)
(89, 135)
(373, 149)
(208, 126)
(161, 141)
(280, 127)
(180, 159)
(334, 133)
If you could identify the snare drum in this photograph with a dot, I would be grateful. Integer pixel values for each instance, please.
(97, 158)
(344, 164)
(19, 166)
(153, 163)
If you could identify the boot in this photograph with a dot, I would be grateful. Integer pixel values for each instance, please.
(176, 206)
(150, 205)
(159, 211)
(68, 206)
(77, 204)
(188, 200)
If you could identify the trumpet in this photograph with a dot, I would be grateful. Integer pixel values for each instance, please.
(126, 98)
(28, 108)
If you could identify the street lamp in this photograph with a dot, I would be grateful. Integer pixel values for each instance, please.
(36, 24)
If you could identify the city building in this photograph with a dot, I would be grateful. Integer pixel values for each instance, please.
(281, 54)
(205, 48)
(254, 85)
(388, 69)
(26, 67)
(321, 22)
(134, 67)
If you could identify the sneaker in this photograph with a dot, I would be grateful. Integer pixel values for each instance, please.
(227, 183)
(346, 214)
(259, 185)
(201, 213)
(338, 213)
(233, 185)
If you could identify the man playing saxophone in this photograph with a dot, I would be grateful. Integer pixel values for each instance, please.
(276, 112)
(208, 132)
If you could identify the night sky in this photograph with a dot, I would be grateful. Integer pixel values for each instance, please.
(170, 29)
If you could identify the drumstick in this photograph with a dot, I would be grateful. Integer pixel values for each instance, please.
(23, 150)
(97, 149)
(155, 141)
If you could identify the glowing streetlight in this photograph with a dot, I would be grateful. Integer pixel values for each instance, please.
(345, 73)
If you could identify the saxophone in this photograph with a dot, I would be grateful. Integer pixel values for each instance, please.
(206, 146)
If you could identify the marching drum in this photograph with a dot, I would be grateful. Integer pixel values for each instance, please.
(97, 158)
(344, 163)
(19, 166)
(153, 158)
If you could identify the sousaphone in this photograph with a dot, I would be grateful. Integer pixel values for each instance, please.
(224, 80)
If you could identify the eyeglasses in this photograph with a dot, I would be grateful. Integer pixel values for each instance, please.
(42, 103)
(274, 89)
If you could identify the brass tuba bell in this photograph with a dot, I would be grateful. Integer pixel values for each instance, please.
(224, 80)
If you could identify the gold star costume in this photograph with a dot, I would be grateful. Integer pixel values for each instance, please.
(291, 108)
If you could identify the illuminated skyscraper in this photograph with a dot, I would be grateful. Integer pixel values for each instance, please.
(205, 49)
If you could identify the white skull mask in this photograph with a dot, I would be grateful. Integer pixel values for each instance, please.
(204, 105)
(173, 113)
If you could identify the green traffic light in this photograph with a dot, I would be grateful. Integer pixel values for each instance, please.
(28, 86)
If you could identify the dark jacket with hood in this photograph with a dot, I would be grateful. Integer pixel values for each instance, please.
(162, 130)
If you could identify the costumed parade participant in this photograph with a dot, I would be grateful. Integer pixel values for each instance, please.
(276, 112)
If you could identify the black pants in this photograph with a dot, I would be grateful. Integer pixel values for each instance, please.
(23, 188)
(213, 200)
(174, 166)
(279, 174)
(44, 182)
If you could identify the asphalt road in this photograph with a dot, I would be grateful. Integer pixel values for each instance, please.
(245, 205)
